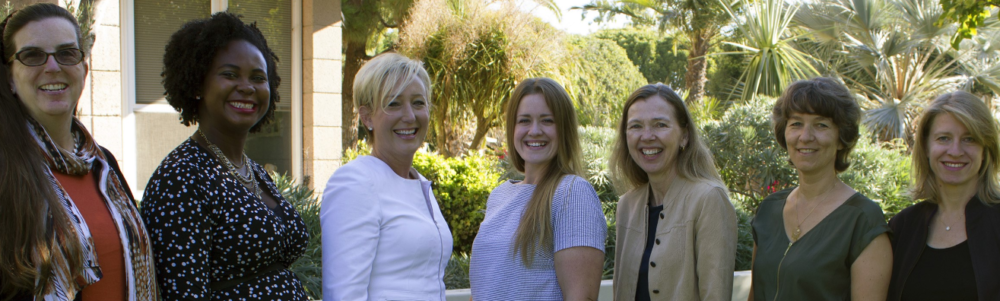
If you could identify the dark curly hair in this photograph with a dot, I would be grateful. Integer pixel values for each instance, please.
(825, 97)
(189, 55)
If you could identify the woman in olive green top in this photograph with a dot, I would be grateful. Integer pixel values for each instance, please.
(821, 240)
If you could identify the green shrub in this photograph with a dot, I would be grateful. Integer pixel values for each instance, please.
(308, 267)
(748, 158)
(600, 77)
(456, 275)
(461, 186)
(880, 171)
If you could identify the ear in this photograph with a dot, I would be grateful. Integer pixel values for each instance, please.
(684, 138)
(365, 114)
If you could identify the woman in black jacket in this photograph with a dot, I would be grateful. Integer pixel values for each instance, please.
(946, 247)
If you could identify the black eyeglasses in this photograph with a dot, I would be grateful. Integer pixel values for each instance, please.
(36, 57)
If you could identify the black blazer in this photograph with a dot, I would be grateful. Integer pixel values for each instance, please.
(982, 226)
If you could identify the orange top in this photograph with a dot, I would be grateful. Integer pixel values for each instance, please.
(110, 255)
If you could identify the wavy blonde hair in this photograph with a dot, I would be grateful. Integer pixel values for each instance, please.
(693, 162)
(975, 116)
(535, 227)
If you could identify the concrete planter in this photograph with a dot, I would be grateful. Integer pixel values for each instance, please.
(741, 289)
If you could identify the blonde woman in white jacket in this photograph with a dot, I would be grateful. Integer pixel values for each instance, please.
(384, 237)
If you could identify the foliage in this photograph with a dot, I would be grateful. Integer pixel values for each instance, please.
(744, 242)
(597, 143)
(969, 14)
(887, 51)
(699, 20)
(308, 268)
(476, 55)
(660, 59)
(461, 186)
(746, 154)
(456, 275)
(599, 77)
(880, 171)
(773, 60)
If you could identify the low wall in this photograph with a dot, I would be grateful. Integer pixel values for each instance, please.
(741, 289)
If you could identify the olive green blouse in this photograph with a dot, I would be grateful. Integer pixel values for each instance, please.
(818, 266)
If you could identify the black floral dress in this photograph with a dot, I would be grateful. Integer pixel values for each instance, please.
(207, 228)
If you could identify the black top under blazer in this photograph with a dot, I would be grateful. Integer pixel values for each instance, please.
(982, 226)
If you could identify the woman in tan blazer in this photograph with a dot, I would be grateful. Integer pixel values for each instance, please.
(676, 236)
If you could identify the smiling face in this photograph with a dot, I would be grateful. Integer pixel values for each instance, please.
(236, 94)
(50, 91)
(955, 157)
(400, 127)
(654, 137)
(535, 135)
(812, 142)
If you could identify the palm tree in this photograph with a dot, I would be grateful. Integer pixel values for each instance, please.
(774, 62)
(699, 20)
(889, 52)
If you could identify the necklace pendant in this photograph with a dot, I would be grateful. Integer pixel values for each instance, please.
(947, 228)
(795, 235)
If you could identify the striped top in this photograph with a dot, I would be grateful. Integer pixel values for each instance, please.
(497, 273)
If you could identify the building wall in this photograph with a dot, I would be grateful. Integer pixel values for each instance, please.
(322, 65)
(102, 106)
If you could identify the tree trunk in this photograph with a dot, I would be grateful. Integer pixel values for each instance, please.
(697, 68)
(353, 60)
(482, 127)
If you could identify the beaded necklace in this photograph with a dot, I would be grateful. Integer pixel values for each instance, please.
(249, 180)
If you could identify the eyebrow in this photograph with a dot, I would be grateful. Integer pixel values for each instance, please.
(58, 47)
(529, 115)
(655, 119)
(238, 67)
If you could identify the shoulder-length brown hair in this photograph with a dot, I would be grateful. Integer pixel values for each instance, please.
(975, 116)
(35, 229)
(824, 97)
(694, 161)
(535, 228)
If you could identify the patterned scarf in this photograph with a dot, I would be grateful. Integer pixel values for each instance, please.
(140, 275)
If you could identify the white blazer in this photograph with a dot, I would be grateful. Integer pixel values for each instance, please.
(384, 237)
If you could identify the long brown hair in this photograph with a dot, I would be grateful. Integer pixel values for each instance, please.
(35, 228)
(694, 162)
(535, 228)
(975, 116)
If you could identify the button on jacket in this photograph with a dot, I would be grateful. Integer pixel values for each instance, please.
(384, 237)
(697, 251)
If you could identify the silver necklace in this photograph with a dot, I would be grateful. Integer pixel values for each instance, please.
(248, 180)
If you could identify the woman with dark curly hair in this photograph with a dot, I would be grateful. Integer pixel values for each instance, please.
(219, 226)
(69, 228)
(821, 240)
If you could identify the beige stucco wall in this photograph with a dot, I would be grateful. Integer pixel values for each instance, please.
(101, 106)
(322, 65)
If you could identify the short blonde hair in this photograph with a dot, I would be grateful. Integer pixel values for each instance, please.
(975, 116)
(384, 77)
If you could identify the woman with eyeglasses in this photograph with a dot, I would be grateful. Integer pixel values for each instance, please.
(220, 228)
(69, 228)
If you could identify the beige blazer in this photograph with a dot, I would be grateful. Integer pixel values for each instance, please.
(695, 249)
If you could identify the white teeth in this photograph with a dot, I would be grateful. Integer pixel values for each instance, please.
(651, 151)
(406, 132)
(954, 164)
(536, 144)
(806, 150)
(242, 105)
(53, 87)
